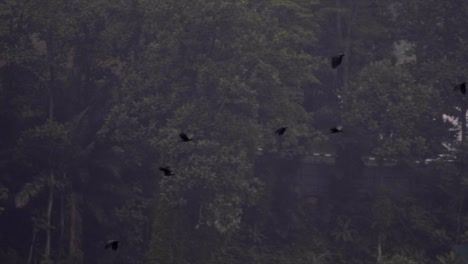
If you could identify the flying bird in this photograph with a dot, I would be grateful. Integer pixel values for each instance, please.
(167, 171)
(336, 60)
(336, 129)
(280, 131)
(184, 137)
(114, 244)
(460, 87)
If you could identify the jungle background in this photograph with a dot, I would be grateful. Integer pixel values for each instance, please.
(94, 93)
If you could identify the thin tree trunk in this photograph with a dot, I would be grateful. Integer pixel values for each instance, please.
(347, 44)
(463, 195)
(31, 248)
(464, 111)
(459, 213)
(62, 226)
(338, 23)
(49, 217)
(75, 228)
(379, 250)
(51, 84)
(72, 226)
(339, 34)
(51, 99)
(50, 203)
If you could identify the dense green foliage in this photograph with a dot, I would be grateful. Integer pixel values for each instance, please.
(94, 94)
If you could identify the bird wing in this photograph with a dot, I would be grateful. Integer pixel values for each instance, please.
(109, 244)
(183, 136)
(115, 245)
(334, 62)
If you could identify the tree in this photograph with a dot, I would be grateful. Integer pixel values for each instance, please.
(46, 149)
(221, 71)
(57, 65)
(392, 111)
(437, 37)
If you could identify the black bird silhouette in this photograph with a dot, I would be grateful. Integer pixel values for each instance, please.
(336, 60)
(167, 171)
(114, 244)
(280, 131)
(336, 129)
(460, 87)
(184, 137)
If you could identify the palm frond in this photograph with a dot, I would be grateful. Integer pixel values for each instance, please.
(30, 190)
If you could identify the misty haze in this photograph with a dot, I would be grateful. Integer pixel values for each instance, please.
(233, 132)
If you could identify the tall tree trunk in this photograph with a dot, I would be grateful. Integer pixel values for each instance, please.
(31, 248)
(347, 44)
(462, 174)
(75, 228)
(459, 214)
(344, 42)
(339, 34)
(61, 251)
(50, 91)
(49, 217)
(379, 249)
(51, 83)
(339, 31)
(51, 97)
(464, 111)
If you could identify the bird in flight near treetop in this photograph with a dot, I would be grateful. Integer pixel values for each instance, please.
(336, 60)
(336, 129)
(184, 137)
(280, 131)
(460, 87)
(167, 171)
(114, 244)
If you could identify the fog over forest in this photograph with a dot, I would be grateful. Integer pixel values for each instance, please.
(233, 132)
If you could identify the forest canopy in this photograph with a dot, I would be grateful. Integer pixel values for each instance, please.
(220, 131)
